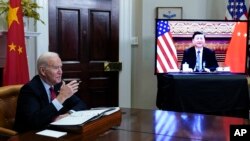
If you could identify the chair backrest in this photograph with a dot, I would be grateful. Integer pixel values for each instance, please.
(8, 102)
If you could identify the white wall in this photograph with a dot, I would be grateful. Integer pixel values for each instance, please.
(42, 42)
(216, 9)
(125, 53)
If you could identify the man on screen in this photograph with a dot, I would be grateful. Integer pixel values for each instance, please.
(198, 57)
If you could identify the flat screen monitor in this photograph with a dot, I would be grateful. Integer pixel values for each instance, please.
(228, 40)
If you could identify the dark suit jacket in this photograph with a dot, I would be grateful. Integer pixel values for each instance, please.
(208, 57)
(34, 110)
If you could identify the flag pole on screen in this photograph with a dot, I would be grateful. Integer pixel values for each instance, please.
(16, 66)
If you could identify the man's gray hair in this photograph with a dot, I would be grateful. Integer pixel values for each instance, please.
(42, 60)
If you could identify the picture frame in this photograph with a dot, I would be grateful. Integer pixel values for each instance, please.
(169, 12)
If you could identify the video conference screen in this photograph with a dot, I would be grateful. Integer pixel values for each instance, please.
(228, 40)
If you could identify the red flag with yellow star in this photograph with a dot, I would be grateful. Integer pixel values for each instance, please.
(16, 66)
(236, 51)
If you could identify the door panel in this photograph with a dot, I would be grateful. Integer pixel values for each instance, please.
(69, 36)
(85, 34)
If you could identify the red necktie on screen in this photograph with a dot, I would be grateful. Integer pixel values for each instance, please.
(52, 93)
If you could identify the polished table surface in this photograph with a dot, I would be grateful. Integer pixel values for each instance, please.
(138, 124)
(148, 125)
(223, 94)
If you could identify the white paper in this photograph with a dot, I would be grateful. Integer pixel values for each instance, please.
(51, 133)
(112, 111)
(80, 117)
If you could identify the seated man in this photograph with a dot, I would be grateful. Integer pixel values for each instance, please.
(199, 57)
(38, 105)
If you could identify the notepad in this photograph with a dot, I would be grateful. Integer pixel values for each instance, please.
(111, 111)
(51, 133)
(81, 117)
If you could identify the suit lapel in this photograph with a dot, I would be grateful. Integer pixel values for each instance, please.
(204, 54)
(193, 55)
(39, 89)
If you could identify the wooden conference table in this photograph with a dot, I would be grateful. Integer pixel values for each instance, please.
(147, 125)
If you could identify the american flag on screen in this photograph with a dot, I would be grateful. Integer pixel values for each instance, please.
(166, 56)
(236, 10)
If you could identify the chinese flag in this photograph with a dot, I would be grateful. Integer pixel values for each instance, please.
(236, 52)
(16, 66)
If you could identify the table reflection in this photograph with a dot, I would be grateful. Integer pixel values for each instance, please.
(193, 126)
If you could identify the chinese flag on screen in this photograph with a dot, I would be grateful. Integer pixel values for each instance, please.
(16, 66)
(236, 52)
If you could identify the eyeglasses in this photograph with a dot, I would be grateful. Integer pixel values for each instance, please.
(53, 67)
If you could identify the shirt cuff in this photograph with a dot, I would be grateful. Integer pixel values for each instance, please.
(57, 104)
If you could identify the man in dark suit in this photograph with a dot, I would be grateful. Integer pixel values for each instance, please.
(198, 57)
(37, 104)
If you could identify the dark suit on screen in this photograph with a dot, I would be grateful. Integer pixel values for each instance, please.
(34, 111)
(208, 57)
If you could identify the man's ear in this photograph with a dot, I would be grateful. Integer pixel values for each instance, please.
(42, 70)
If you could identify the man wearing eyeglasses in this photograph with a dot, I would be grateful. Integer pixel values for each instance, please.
(46, 97)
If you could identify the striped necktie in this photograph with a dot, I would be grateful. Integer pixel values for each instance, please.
(198, 61)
